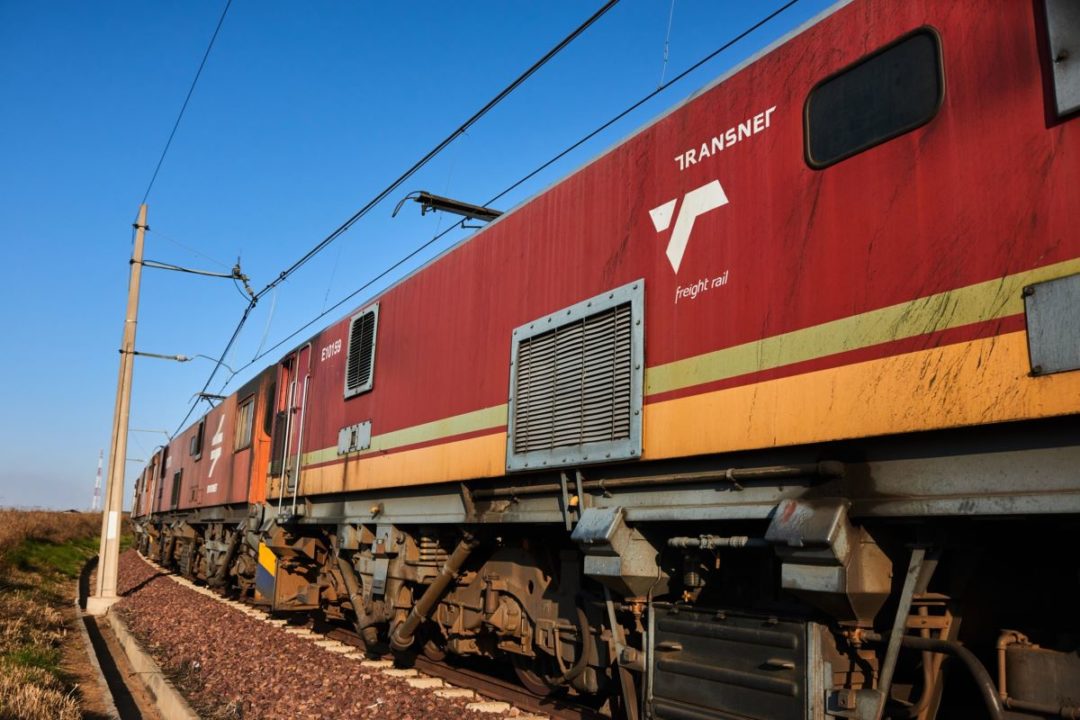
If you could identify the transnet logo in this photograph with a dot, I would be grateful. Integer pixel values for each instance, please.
(696, 202)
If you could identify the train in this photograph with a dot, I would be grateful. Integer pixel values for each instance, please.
(772, 410)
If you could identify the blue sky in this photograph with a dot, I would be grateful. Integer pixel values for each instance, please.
(304, 112)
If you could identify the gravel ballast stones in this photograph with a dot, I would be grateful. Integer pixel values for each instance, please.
(232, 664)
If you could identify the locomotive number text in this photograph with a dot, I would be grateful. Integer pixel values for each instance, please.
(331, 350)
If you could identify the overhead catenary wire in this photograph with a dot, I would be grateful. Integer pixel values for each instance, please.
(157, 170)
(184, 246)
(419, 249)
(240, 290)
(341, 229)
(460, 130)
(664, 86)
(667, 42)
(416, 251)
(217, 365)
(187, 99)
(266, 328)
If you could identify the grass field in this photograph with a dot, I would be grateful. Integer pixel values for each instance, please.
(41, 554)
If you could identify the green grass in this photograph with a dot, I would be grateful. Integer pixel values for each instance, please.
(43, 658)
(48, 558)
(57, 559)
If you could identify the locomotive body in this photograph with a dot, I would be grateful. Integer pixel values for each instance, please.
(668, 434)
(876, 296)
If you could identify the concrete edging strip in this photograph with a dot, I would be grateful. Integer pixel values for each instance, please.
(106, 693)
(169, 702)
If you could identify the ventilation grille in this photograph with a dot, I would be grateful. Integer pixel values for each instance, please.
(361, 359)
(574, 383)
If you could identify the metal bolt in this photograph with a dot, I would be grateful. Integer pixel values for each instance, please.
(1036, 370)
(848, 700)
(1028, 291)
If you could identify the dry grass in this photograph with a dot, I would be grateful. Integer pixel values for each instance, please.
(41, 554)
(29, 693)
(31, 685)
(54, 527)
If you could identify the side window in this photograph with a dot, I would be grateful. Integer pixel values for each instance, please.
(360, 361)
(245, 414)
(195, 444)
(882, 96)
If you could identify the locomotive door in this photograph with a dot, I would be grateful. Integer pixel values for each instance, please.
(294, 375)
(159, 486)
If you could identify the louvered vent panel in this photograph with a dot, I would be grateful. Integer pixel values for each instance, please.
(574, 383)
(358, 367)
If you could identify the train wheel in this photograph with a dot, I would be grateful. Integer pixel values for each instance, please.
(538, 683)
(433, 643)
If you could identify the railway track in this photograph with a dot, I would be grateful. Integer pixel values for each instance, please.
(486, 684)
(470, 676)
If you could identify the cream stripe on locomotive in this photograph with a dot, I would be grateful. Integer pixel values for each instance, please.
(989, 300)
(492, 417)
(983, 301)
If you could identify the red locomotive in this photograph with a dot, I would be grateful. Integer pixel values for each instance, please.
(742, 419)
